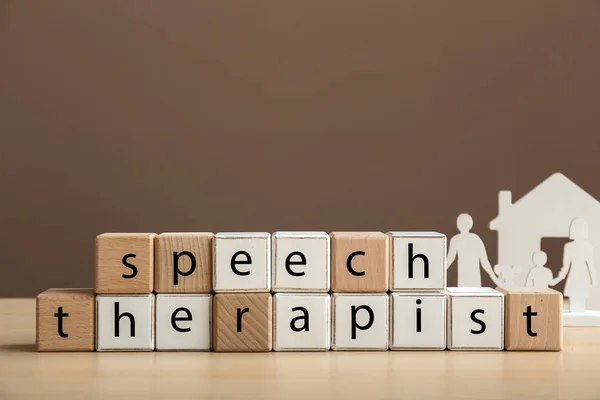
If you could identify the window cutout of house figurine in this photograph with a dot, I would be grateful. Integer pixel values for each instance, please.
(556, 208)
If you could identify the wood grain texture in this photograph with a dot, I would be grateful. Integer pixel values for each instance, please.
(547, 324)
(374, 263)
(110, 250)
(79, 325)
(256, 327)
(26, 374)
(166, 245)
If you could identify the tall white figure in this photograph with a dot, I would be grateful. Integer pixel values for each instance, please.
(471, 253)
(578, 267)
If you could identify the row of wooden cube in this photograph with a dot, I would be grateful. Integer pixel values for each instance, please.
(344, 262)
(458, 318)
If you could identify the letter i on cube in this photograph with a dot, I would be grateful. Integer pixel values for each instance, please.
(418, 321)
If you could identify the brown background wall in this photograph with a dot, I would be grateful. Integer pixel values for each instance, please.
(280, 115)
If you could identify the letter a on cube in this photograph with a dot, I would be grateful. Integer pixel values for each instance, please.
(301, 322)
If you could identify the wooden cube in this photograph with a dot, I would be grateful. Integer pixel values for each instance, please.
(301, 262)
(301, 322)
(418, 321)
(125, 322)
(418, 261)
(360, 321)
(533, 319)
(183, 322)
(242, 322)
(184, 262)
(242, 262)
(125, 263)
(65, 320)
(475, 319)
(359, 262)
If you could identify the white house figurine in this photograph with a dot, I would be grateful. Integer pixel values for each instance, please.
(556, 208)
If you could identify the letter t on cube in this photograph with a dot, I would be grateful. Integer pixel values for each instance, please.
(418, 261)
(533, 319)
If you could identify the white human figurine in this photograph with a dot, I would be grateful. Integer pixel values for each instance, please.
(539, 276)
(506, 275)
(471, 253)
(578, 267)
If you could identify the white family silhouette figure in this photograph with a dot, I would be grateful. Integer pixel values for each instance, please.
(539, 276)
(471, 253)
(578, 263)
(578, 267)
(557, 209)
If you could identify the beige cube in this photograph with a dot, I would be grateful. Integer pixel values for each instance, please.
(125, 263)
(65, 320)
(184, 262)
(243, 322)
(359, 262)
(533, 319)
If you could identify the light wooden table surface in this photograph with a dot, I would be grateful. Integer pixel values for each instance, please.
(571, 374)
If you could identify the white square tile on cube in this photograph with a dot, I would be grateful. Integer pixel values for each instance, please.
(475, 319)
(125, 322)
(418, 321)
(426, 253)
(371, 321)
(301, 262)
(183, 322)
(242, 262)
(301, 322)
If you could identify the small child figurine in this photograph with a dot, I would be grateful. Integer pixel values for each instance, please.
(540, 276)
